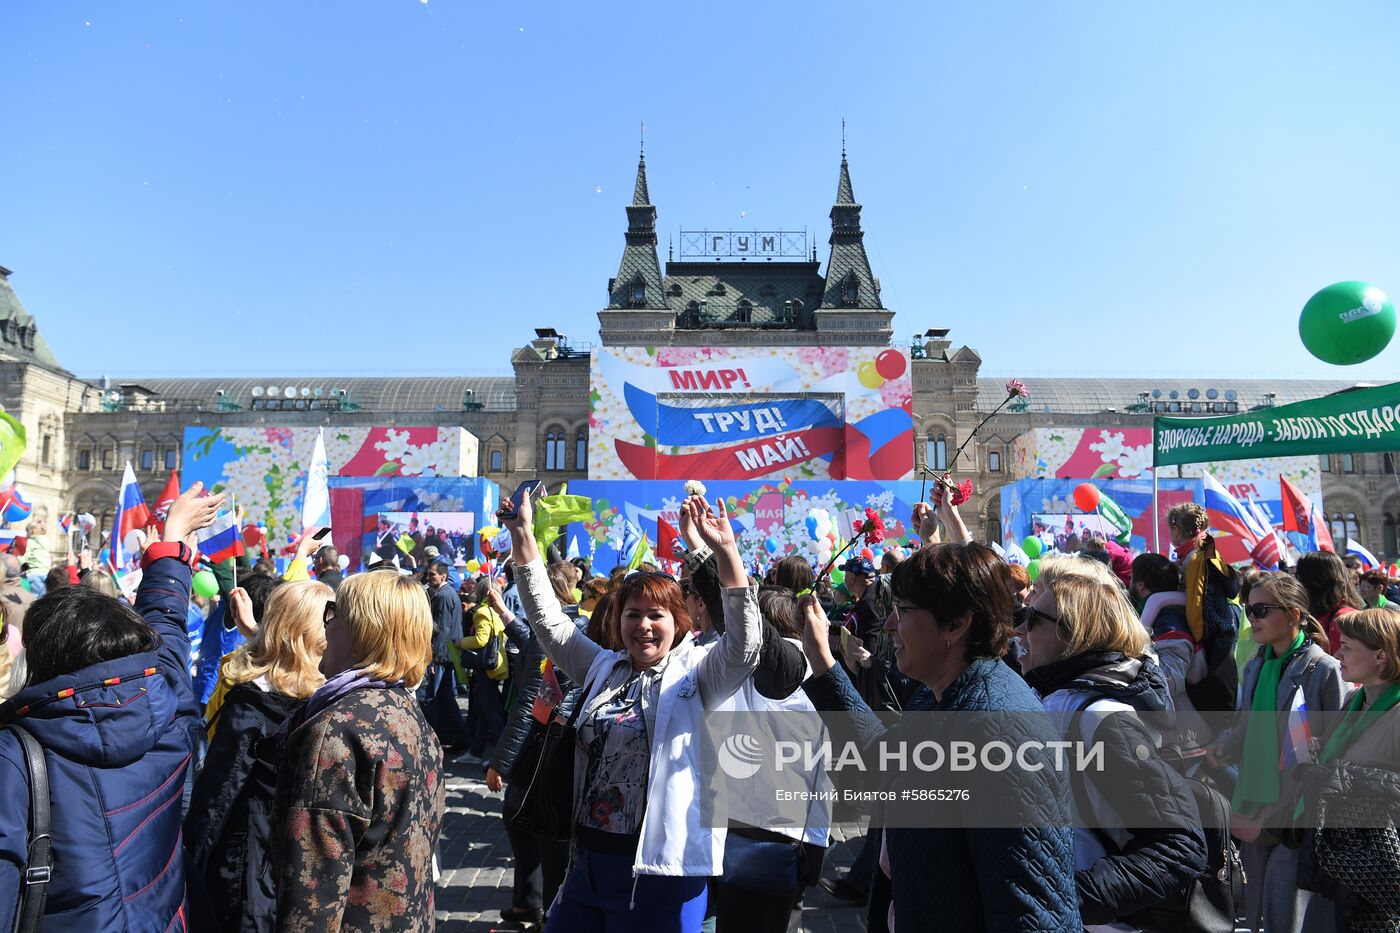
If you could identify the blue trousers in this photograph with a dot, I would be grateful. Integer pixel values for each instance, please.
(598, 896)
(437, 695)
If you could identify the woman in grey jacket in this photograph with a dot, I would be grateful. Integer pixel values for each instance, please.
(1292, 660)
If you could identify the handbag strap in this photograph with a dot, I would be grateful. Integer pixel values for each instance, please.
(39, 868)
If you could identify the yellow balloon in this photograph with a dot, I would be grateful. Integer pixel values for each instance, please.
(869, 376)
(473, 566)
(490, 531)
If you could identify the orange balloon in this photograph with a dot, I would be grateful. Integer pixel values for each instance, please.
(1086, 496)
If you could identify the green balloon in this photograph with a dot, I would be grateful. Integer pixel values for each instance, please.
(838, 577)
(1032, 546)
(205, 584)
(1114, 513)
(1346, 323)
(1033, 570)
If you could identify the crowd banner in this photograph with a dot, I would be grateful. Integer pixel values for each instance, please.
(1352, 421)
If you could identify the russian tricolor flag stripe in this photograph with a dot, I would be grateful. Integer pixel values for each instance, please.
(1360, 551)
(132, 515)
(222, 539)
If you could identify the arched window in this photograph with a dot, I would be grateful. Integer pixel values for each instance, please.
(1348, 463)
(581, 450)
(495, 461)
(1325, 463)
(148, 459)
(1390, 546)
(108, 458)
(994, 530)
(936, 456)
(1351, 526)
(555, 449)
(993, 463)
(172, 457)
(84, 460)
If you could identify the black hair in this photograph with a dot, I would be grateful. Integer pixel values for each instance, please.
(952, 580)
(258, 588)
(75, 627)
(1157, 573)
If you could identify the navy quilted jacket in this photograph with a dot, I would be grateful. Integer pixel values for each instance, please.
(117, 738)
(957, 879)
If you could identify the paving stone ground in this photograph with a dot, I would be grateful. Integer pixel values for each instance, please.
(476, 865)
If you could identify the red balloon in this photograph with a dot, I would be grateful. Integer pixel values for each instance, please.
(1086, 496)
(890, 364)
(867, 553)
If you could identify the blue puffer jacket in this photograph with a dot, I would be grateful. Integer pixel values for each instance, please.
(118, 738)
(995, 878)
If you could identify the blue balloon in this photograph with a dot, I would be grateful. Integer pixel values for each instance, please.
(811, 526)
(771, 545)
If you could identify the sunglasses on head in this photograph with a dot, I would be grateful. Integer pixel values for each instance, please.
(658, 574)
(1259, 610)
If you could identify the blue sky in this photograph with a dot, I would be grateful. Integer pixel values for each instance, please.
(397, 186)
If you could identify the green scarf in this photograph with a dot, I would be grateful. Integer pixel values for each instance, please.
(1355, 721)
(1259, 784)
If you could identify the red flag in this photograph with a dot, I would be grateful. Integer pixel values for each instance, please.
(1297, 508)
(165, 500)
(666, 539)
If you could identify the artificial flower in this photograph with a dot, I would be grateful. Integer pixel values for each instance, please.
(693, 487)
(1015, 388)
(962, 492)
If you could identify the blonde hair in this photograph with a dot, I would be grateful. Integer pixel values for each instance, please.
(101, 581)
(289, 642)
(1379, 630)
(1094, 612)
(390, 625)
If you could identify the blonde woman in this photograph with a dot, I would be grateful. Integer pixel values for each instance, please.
(231, 808)
(1085, 651)
(359, 788)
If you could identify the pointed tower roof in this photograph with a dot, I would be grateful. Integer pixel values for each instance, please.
(638, 281)
(19, 333)
(845, 195)
(849, 281)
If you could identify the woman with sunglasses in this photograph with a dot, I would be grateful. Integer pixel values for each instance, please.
(231, 808)
(644, 849)
(1292, 659)
(1086, 653)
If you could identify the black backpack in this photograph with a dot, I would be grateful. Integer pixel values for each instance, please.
(1215, 896)
(484, 658)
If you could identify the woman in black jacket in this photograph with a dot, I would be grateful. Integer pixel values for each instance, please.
(230, 815)
(1085, 652)
(540, 862)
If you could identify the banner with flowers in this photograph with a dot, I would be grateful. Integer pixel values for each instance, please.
(726, 413)
(265, 467)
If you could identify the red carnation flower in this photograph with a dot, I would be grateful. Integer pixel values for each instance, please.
(874, 527)
(963, 492)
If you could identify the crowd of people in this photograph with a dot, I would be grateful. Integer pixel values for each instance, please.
(273, 757)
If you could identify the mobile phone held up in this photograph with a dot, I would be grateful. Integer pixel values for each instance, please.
(321, 534)
(531, 487)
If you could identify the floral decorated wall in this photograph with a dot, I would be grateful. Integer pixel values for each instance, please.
(265, 467)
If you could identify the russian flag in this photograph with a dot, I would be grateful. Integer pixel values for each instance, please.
(1297, 749)
(14, 504)
(12, 540)
(66, 522)
(1366, 556)
(1228, 516)
(221, 540)
(132, 515)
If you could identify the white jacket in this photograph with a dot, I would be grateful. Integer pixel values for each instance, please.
(675, 839)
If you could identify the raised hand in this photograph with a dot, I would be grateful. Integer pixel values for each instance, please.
(240, 606)
(816, 635)
(189, 513)
(690, 534)
(712, 528)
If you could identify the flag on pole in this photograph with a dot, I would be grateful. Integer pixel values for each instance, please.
(1321, 537)
(634, 550)
(316, 505)
(65, 522)
(132, 516)
(1297, 508)
(12, 442)
(1367, 558)
(12, 540)
(1297, 749)
(668, 541)
(222, 539)
(165, 500)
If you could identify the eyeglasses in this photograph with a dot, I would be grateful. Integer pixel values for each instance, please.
(1032, 614)
(1259, 610)
(330, 612)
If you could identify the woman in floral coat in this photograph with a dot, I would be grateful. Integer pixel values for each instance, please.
(360, 796)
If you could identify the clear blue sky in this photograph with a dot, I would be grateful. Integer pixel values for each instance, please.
(365, 187)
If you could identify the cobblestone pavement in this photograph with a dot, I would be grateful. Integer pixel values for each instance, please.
(476, 865)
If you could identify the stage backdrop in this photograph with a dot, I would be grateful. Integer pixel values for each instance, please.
(1025, 499)
(737, 414)
(358, 501)
(758, 510)
(265, 467)
(1126, 453)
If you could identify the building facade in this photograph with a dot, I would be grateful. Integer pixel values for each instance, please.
(535, 424)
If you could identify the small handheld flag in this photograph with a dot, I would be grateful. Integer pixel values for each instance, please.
(222, 539)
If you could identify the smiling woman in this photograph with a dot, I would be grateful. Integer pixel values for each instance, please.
(645, 850)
